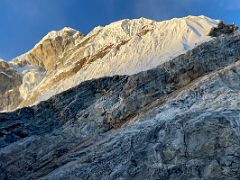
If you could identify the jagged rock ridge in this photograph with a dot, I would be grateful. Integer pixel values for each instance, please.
(177, 121)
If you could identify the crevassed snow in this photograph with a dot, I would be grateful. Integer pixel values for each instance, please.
(161, 42)
(30, 80)
(23, 69)
(31, 77)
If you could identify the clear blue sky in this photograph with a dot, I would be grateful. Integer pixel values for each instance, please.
(25, 22)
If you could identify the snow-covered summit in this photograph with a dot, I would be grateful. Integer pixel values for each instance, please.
(128, 47)
(141, 44)
(125, 47)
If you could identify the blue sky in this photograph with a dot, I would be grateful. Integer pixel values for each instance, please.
(24, 22)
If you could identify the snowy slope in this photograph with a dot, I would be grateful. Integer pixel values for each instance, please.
(65, 58)
(146, 44)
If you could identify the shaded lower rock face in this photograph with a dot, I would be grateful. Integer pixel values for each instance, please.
(177, 121)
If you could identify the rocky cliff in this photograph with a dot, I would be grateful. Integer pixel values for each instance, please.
(179, 120)
(10, 82)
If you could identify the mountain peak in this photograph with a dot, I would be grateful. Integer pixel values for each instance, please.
(66, 57)
(60, 33)
(49, 50)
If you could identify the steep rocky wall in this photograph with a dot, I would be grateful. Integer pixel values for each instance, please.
(177, 121)
(10, 82)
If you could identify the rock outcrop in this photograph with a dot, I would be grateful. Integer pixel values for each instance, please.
(10, 82)
(177, 121)
(223, 28)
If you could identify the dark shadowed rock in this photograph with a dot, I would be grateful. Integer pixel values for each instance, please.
(177, 121)
(223, 28)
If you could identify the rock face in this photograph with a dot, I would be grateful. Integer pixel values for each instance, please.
(223, 28)
(177, 121)
(29, 69)
(65, 58)
(10, 82)
(49, 52)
